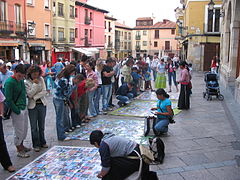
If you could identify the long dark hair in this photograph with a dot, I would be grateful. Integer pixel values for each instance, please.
(33, 69)
(67, 71)
(162, 92)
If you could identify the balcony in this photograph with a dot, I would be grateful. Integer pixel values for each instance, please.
(72, 40)
(109, 46)
(138, 47)
(20, 28)
(87, 42)
(167, 48)
(117, 46)
(87, 20)
(138, 37)
(61, 39)
(6, 27)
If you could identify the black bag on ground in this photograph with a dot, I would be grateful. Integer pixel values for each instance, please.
(150, 175)
(149, 124)
(158, 148)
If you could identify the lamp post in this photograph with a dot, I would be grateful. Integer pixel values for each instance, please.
(29, 29)
(211, 5)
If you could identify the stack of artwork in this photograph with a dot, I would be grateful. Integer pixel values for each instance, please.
(62, 162)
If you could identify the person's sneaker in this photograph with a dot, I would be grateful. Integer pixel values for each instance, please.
(66, 132)
(83, 124)
(67, 139)
(104, 112)
(78, 126)
(23, 154)
(27, 149)
(70, 130)
(36, 149)
(45, 146)
(109, 109)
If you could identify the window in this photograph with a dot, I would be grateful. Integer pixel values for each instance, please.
(155, 44)
(91, 16)
(167, 45)
(129, 46)
(122, 44)
(76, 12)
(144, 33)
(61, 34)
(213, 24)
(91, 34)
(76, 32)
(60, 9)
(2, 10)
(86, 33)
(31, 30)
(137, 43)
(54, 8)
(72, 12)
(173, 31)
(54, 34)
(125, 45)
(86, 13)
(156, 34)
(109, 26)
(109, 40)
(72, 35)
(138, 33)
(30, 2)
(17, 14)
(46, 30)
(125, 35)
(105, 24)
(144, 43)
(46, 4)
(129, 36)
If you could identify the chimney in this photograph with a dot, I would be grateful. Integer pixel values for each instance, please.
(165, 21)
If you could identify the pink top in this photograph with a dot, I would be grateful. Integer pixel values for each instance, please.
(93, 75)
(185, 77)
(2, 97)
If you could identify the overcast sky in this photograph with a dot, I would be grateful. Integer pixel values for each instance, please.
(129, 10)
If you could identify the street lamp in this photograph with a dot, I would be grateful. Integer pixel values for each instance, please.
(211, 5)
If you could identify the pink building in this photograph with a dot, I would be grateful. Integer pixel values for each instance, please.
(89, 29)
(12, 29)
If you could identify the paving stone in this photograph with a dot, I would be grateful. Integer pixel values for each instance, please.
(195, 159)
(198, 175)
(222, 155)
(176, 176)
(226, 173)
(172, 162)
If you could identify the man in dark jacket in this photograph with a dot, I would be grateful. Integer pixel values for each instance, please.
(124, 93)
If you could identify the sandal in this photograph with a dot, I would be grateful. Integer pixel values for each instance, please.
(23, 154)
(11, 169)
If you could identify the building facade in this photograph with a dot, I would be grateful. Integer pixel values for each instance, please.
(39, 37)
(12, 29)
(154, 39)
(109, 37)
(123, 41)
(63, 29)
(89, 30)
(230, 46)
(200, 32)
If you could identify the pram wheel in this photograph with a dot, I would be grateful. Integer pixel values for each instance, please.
(220, 97)
(209, 98)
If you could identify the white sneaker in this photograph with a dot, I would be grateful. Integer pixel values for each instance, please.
(67, 139)
(78, 126)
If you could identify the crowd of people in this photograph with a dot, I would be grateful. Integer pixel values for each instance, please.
(81, 91)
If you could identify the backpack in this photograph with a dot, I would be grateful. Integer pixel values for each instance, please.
(157, 146)
(149, 124)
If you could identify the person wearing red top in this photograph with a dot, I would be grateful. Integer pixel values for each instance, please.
(214, 65)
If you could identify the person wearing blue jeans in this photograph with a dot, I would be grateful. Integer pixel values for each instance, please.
(164, 110)
(96, 100)
(124, 93)
(106, 75)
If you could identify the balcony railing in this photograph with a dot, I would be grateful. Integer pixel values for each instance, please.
(72, 39)
(87, 42)
(61, 39)
(138, 48)
(87, 20)
(6, 27)
(167, 48)
(138, 37)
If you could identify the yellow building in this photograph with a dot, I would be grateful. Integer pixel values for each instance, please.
(200, 32)
(123, 40)
(63, 29)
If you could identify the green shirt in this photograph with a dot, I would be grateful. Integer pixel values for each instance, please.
(15, 93)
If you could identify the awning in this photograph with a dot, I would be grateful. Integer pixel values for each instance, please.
(9, 43)
(82, 50)
(92, 50)
(36, 44)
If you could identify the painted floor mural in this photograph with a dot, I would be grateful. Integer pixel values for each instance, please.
(140, 108)
(62, 162)
(131, 129)
(151, 96)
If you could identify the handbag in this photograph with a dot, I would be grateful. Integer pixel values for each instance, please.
(170, 117)
(9, 110)
(147, 154)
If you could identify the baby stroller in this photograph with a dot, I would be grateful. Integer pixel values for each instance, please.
(212, 87)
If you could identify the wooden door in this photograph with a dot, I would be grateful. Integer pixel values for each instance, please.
(210, 50)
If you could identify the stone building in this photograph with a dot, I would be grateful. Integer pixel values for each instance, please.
(230, 46)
